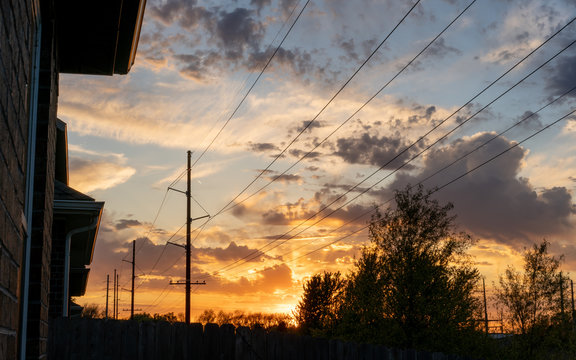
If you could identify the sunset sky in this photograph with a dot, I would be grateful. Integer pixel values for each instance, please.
(316, 133)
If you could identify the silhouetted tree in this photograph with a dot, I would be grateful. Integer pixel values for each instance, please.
(241, 318)
(532, 301)
(415, 277)
(316, 312)
(92, 311)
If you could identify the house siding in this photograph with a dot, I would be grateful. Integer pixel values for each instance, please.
(42, 213)
(17, 28)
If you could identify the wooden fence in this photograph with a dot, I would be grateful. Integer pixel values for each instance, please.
(89, 339)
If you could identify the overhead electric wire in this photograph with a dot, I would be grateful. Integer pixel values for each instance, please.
(245, 81)
(253, 85)
(516, 144)
(248, 257)
(444, 168)
(309, 123)
(160, 256)
(354, 113)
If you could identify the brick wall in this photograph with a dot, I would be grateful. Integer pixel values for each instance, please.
(16, 46)
(38, 301)
(57, 267)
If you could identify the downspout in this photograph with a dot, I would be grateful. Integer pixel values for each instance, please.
(29, 196)
(71, 233)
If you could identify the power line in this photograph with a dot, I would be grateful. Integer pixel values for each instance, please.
(451, 181)
(245, 81)
(253, 85)
(309, 123)
(353, 114)
(364, 214)
(256, 252)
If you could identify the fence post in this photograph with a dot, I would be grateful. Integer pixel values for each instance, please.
(195, 340)
(180, 341)
(147, 343)
(226, 339)
(210, 341)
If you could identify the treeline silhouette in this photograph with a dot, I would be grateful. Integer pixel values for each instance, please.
(415, 287)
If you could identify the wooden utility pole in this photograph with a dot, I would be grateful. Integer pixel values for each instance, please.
(188, 223)
(117, 295)
(133, 277)
(133, 262)
(188, 245)
(573, 313)
(562, 296)
(107, 289)
(485, 306)
(114, 298)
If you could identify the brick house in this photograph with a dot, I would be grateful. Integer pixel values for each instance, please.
(47, 229)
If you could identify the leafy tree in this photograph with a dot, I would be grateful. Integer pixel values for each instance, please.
(92, 311)
(207, 316)
(144, 316)
(532, 300)
(169, 317)
(316, 312)
(252, 320)
(415, 278)
(361, 313)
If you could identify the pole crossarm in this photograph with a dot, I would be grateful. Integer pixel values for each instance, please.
(175, 244)
(180, 191)
(201, 217)
(184, 282)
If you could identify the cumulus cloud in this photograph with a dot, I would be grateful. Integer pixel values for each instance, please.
(440, 49)
(89, 175)
(263, 147)
(230, 253)
(289, 213)
(287, 178)
(126, 223)
(494, 202)
(373, 150)
(563, 76)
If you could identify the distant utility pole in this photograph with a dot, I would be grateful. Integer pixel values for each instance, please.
(573, 311)
(114, 298)
(117, 294)
(189, 220)
(133, 262)
(562, 297)
(107, 289)
(485, 306)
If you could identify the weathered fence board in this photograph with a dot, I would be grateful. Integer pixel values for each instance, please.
(81, 339)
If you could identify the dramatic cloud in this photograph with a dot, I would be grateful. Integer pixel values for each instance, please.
(563, 76)
(126, 223)
(494, 202)
(238, 30)
(289, 213)
(230, 253)
(440, 49)
(287, 178)
(90, 175)
(373, 150)
(263, 147)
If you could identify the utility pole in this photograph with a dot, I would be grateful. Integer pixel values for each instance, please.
(188, 245)
(114, 298)
(117, 295)
(573, 313)
(485, 306)
(188, 223)
(107, 289)
(562, 297)
(133, 262)
(133, 276)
